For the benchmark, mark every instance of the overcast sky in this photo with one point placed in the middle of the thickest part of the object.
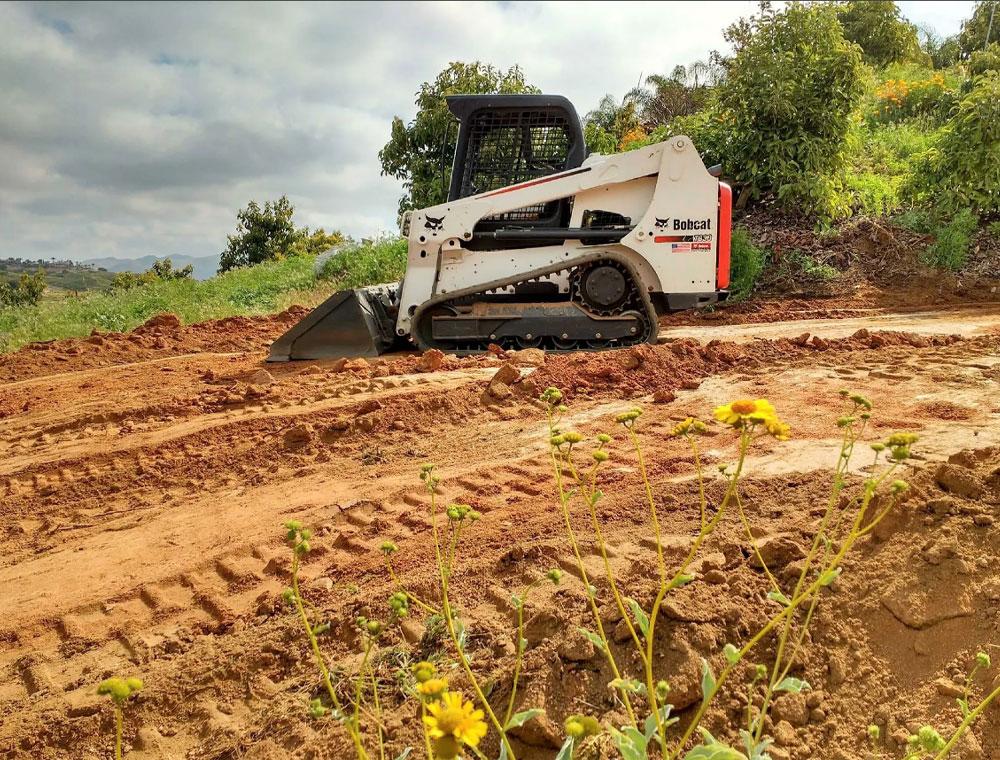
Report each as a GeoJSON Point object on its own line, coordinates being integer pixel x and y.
{"type": "Point", "coordinates": [128, 129]}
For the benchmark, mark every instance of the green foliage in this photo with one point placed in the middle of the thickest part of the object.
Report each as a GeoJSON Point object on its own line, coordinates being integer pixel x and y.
{"type": "Point", "coordinates": [983, 61]}
{"type": "Point", "coordinates": [162, 270]}
{"type": "Point", "coordinates": [315, 243]}
{"type": "Point", "coordinates": [609, 126]}
{"type": "Point", "coordinates": [746, 263]}
{"type": "Point", "coordinates": [27, 291]}
{"type": "Point", "coordinates": [262, 289]}
{"type": "Point", "coordinates": [942, 51]}
{"type": "Point", "coordinates": [785, 105]}
{"type": "Point", "coordinates": [262, 234]}
{"type": "Point", "coordinates": [420, 153]}
{"type": "Point", "coordinates": [952, 241]}
{"type": "Point", "coordinates": [962, 170]}
{"type": "Point", "coordinates": [974, 30]}
{"type": "Point", "coordinates": [360, 264]}
{"type": "Point", "coordinates": [931, 95]}
{"type": "Point", "coordinates": [877, 27]}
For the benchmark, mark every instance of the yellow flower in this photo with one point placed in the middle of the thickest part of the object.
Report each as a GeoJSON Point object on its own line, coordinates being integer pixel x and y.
{"type": "Point", "coordinates": [453, 722]}
{"type": "Point", "coordinates": [432, 687]}
{"type": "Point", "coordinates": [424, 671]}
{"type": "Point", "coordinates": [778, 429]}
{"type": "Point", "coordinates": [745, 410]}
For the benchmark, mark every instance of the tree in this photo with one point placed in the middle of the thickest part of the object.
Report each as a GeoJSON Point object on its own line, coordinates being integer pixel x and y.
{"type": "Point", "coordinates": [942, 51]}
{"type": "Point", "coordinates": [684, 92]}
{"type": "Point", "coordinates": [878, 28]}
{"type": "Point", "coordinates": [784, 108]}
{"type": "Point", "coordinates": [315, 243]}
{"type": "Point", "coordinates": [420, 153]}
{"type": "Point", "coordinates": [162, 270]}
{"type": "Point", "coordinates": [261, 234]}
{"type": "Point", "coordinates": [607, 126]}
{"type": "Point", "coordinates": [985, 22]}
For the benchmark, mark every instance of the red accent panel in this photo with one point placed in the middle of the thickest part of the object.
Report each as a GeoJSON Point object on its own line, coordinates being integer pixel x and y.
{"type": "Point", "coordinates": [534, 182]}
{"type": "Point", "coordinates": [668, 238]}
{"type": "Point", "coordinates": [725, 232]}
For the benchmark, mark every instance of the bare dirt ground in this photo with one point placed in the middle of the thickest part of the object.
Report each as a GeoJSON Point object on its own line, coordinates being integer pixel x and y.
{"type": "Point", "coordinates": [144, 479]}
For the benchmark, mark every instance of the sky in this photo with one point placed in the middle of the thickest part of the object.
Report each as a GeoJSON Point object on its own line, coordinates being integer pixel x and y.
{"type": "Point", "coordinates": [129, 129]}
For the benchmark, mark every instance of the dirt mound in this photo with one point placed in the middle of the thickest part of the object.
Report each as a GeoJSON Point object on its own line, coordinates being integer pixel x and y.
{"type": "Point", "coordinates": [161, 336]}
{"type": "Point", "coordinates": [682, 364]}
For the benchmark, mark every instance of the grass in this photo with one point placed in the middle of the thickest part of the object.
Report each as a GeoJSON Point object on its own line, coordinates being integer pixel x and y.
{"type": "Point", "coordinates": [747, 261]}
{"type": "Point", "coordinates": [262, 289]}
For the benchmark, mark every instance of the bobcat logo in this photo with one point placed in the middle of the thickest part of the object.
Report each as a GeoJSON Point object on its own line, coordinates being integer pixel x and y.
{"type": "Point", "coordinates": [434, 224]}
{"type": "Point", "coordinates": [661, 224]}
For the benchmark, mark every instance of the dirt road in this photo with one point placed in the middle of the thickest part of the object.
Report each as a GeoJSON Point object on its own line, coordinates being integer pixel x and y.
{"type": "Point", "coordinates": [144, 482]}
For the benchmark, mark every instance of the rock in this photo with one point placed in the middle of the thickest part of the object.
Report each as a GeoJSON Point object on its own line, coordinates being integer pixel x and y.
{"type": "Point", "coordinates": [862, 334]}
{"type": "Point", "coordinates": [412, 629]}
{"type": "Point", "coordinates": [690, 385]}
{"type": "Point", "coordinates": [819, 343]}
{"type": "Point", "coordinates": [506, 375]}
{"type": "Point", "coordinates": [778, 753]}
{"type": "Point", "coordinates": [784, 734]}
{"type": "Point", "coordinates": [663, 396]}
{"type": "Point", "coordinates": [776, 550]}
{"type": "Point", "coordinates": [959, 481]}
{"type": "Point", "coordinates": [575, 647]}
{"type": "Point", "coordinates": [312, 369]}
{"type": "Point", "coordinates": [631, 359]}
{"type": "Point", "coordinates": [948, 688]}
{"type": "Point", "coordinates": [148, 739]}
{"type": "Point", "coordinates": [527, 357]}
{"type": "Point", "coordinates": [261, 377]}
{"type": "Point", "coordinates": [430, 360]}
{"type": "Point", "coordinates": [792, 708]}
{"type": "Point", "coordinates": [716, 577]}
{"type": "Point", "coordinates": [802, 340]}
{"type": "Point", "coordinates": [983, 520]}
{"type": "Point", "coordinates": [165, 321]}
{"type": "Point", "coordinates": [356, 365]}
{"type": "Point", "coordinates": [968, 747]}
{"type": "Point", "coordinates": [298, 436]}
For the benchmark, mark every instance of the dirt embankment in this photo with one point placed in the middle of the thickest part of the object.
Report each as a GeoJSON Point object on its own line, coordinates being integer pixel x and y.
{"type": "Point", "coordinates": [142, 503]}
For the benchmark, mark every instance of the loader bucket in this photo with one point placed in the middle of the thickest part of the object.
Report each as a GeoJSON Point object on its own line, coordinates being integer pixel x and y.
{"type": "Point", "coordinates": [349, 323]}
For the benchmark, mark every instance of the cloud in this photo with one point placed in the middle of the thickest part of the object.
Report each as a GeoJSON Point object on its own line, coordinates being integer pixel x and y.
{"type": "Point", "coordinates": [137, 128]}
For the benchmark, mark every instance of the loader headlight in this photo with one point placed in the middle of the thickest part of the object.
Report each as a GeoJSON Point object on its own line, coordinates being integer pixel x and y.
{"type": "Point", "coordinates": [404, 223]}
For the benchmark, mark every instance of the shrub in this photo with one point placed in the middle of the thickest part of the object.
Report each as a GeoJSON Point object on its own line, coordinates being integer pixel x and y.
{"type": "Point", "coordinates": [983, 61]}
{"type": "Point", "coordinates": [746, 263]}
{"type": "Point", "coordinates": [315, 243]}
{"type": "Point", "coordinates": [962, 170]}
{"type": "Point", "coordinates": [161, 271]}
{"type": "Point", "coordinates": [785, 106]}
{"type": "Point", "coordinates": [27, 291]}
{"type": "Point", "coordinates": [952, 241]}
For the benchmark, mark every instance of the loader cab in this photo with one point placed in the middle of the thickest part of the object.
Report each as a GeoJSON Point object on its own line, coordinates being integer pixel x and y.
{"type": "Point", "coordinates": [504, 140]}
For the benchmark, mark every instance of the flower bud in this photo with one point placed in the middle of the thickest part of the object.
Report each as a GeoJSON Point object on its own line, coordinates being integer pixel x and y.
{"type": "Point", "coordinates": [600, 456]}
{"type": "Point", "coordinates": [983, 660]}
{"type": "Point", "coordinates": [389, 547]}
{"type": "Point", "coordinates": [874, 732]}
{"type": "Point", "coordinates": [898, 486]}
{"type": "Point", "coordinates": [572, 437]}
{"type": "Point", "coordinates": [554, 575]}
{"type": "Point", "coordinates": [603, 438]}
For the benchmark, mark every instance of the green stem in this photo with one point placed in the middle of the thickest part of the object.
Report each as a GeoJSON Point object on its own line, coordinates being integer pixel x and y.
{"type": "Point", "coordinates": [563, 504]}
{"type": "Point", "coordinates": [964, 725]}
{"type": "Point", "coordinates": [118, 732]}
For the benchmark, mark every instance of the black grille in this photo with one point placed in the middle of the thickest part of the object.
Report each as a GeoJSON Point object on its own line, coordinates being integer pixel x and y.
{"type": "Point", "coordinates": [506, 148]}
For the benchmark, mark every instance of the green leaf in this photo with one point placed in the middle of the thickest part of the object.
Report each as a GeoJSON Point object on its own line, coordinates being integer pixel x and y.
{"type": "Point", "coordinates": [793, 685]}
{"type": "Point", "coordinates": [520, 718]}
{"type": "Point", "coordinates": [566, 751]}
{"type": "Point", "coordinates": [681, 580]}
{"type": "Point", "coordinates": [641, 619]}
{"type": "Point", "coordinates": [404, 754]}
{"type": "Point", "coordinates": [777, 596]}
{"type": "Point", "coordinates": [503, 752]}
{"type": "Point", "coordinates": [631, 745]}
{"type": "Point", "coordinates": [829, 576]}
{"type": "Point", "coordinates": [593, 638]}
{"type": "Point", "coordinates": [713, 749]}
{"type": "Point", "coordinates": [650, 726]}
{"type": "Point", "coordinates": [732, 654]}
{"type": "Point", "coordinates": [628, 684]}
{"type": "Point", "coordinates": [707, 681]}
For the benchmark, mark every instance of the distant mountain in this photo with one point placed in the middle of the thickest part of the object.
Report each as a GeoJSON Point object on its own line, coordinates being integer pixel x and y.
{"type": "Point", "coordinates": [204, 266]}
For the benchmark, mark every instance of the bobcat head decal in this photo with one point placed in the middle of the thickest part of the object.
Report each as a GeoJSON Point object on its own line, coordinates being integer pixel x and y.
{"type": "Point", "coordinates": [661, 224]}
{"type": "Point", "coordinates": [434, 224]}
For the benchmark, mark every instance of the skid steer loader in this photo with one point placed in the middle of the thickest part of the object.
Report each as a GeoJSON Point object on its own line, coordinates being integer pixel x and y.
{"type": "Point", "coordinates": [538, 245]}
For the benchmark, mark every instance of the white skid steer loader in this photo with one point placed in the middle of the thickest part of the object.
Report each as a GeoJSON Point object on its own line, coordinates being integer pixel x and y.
{"type": "Point", "coordinates": [538, 245]}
